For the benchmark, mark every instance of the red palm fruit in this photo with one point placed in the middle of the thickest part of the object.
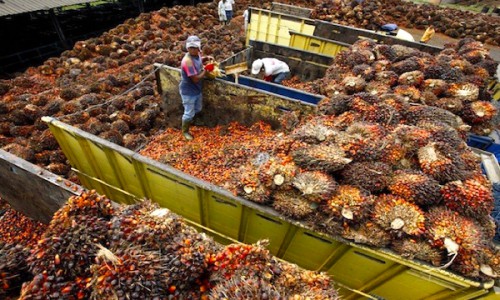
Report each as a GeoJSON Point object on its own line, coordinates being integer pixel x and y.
{"type": "Point", "coordinates": [444, 133]}
{"type": "Point", "coordinates": [471, 197]}
{"type": "Point", "coordinates": [395, 214]}
{"type": "Point", "coordinates": [441, 162]}
{"type": "Point", "coordinates": [416, 187]}
{"type": "Point", "coordinates": [452, 231]}
{"type": "Point", "coordinates": [349, 203]}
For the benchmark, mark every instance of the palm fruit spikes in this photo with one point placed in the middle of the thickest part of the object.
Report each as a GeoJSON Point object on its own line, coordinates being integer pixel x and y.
{"type": "Point", "coordinates": [371, 176]}
{"type": "Point", "coordinates": [277, 172]}
{"type": "Point", "coordinates": [326, 157]}
{"type": "Point", "coordinates": [368, 233]}
{"type": "Point", "coordinates": [471, 197]}
{"type": "Point", "coordinates": [416, 248]}
{"type": "Point", "coordinates": [349, 203]}
{"type": "Point", "coordinates": [313, 133]}
{"type": "Point", "coordinates": [395, 214]}
{"type": "Point", "coordinates": [415, 187]}
{"type": "Point", "coordinates": [292, 204]}
{"type": "Point", "coordinates": [452, 231]}
{"type": "Point", "coordinates": [465, 91]}
{"type": "Point", "coordinates": [315, 186]}
{"type": "Point", "coordinates": [441, 162]}
{"type": "Point", "coordinates": [478, 112]}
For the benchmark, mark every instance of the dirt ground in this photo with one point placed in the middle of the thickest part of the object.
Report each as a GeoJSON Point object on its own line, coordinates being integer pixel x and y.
{"type": "Point", "coordinates": [440, 39]}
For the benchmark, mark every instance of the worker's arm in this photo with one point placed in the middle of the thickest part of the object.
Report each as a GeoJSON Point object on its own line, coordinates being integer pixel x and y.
{"type": "Point", "coordinates": [199, 76]}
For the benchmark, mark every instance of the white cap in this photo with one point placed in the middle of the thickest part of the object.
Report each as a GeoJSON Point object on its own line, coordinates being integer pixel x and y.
{"type": "Point", "coordinates": [256, 66]}
{"type": "Point", "coordinates": [193, 42]}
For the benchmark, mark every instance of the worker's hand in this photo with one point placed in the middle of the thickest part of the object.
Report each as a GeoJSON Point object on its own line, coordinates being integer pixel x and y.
{"type": "Point", "coordinates": [268, 78]}
{"type": "Point", "coordinates": [209, 67]}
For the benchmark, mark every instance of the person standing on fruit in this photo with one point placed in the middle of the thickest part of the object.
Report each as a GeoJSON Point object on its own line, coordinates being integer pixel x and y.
{"type": "Point", "coordinates": [221, 10]}
{"type": "Point", "coordinates": [190, 87]}
{"type": "Point", "coordinates": [229, 10]}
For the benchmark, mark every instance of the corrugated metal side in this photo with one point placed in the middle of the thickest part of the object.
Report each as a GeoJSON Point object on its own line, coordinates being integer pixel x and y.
{"type": "Point", "coordinates": [13, 7]}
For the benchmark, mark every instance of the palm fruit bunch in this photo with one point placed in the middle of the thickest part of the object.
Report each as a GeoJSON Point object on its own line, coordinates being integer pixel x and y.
{"type": "Point", "coordinates": [244, 287]}
{"type": "Point", "coordinates": [68, 248]}
{"type": "Point", "coordinates": [460, 236]}
{"type": "Point", "coordinates": [362, 141]}
{"type": "Point", "coordinates": [13, 268]}
{"type": "Point", "coordinates": [418, 248]}
{"type": "Point", "coordinates": [180, 249]}
{"type": "Point", "coordinates": [349, 203]}
{"type": "Point", "coordinates": [17, 229]}
{"type": "Point", "coordinates": [314, 132]}
{"type": "Point", "coordinates": [291, 203]}
{"type": "Point", "coordinates": [441, 162]}
{"type": "Point", "coordinates": [472, 197]}
{"type": "Point", "coordinates": [315, 186]}
{"type": "Point", "coordinates": [368, 233]}
{"type": "Point", "coordinates": [397, 215]}
{"type": "Point", "coordinates": [303, 284]}
{"type": "Point", "coordinates": [441, 132]}
{"type": "Point", "coordinates": [371, 176]}
{"type": "Point", "coordinates": [129, 273]}
{"type": "Point", "coordinates": [277, 172]}
{"type": "Point", "coordinates": [415, 187]}
{"type": "Point", "coordinates": [250, 272]}
{"type": "Point", "coordinates": [249, 185]}
{"type": "Point", "coordinates": [335, 104]}
{"type": "Point", "coordinates": [478, 112]}
{"type": "Point", "coordinates": [326, 157]}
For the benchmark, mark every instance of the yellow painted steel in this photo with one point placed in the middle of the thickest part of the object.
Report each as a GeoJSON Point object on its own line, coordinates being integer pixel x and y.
{"type": "Point", "coordinates": [273, 27]}
{"type": "Point", "coordinates": [494, 87]}
{"type": "Point", "coordinates": [315, 44]}
{"type": "Point", "coordinates": [127, 176]}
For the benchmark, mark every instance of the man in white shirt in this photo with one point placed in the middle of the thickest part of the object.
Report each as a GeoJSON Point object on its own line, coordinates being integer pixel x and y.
{"type": "Point", "coordinates": [229, 9]}
{"type": "Point", "coordinates": [275, 70]}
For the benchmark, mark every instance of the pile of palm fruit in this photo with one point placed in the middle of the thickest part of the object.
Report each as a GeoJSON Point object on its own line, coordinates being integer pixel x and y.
{"type": "Point", "coordinates": [393, 123]}
{"type": "Point", "coordinates": [373, 14]}
{"type": "Point", "coordinates": [383, 162]}
{"type": "Point", "coordinates": [96, 249]}
{"type": "Point", "coordinates": [104, 85]}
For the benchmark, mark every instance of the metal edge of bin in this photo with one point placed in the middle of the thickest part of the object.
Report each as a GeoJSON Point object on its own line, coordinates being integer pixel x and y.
{"type": "Point", "coordinates": [39, 201]}
{"type": "Point", "coordinates": [490, 164]}
{"type": "Point", "coordinates": [293, 32]}
{"type": "Point", "coordinates": [421, 266]}
{"type": "Point", "coordinates": [276, 87]}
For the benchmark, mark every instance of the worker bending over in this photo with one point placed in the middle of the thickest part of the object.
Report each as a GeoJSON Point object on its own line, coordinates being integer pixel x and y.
{"type": "Point", "coordinates": [275, 70]}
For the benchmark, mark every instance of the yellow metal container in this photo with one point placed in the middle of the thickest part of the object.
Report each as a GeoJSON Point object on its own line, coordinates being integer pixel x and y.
{"type": "Point", "coordinates": [316, 44]}
{"type": "Point", "coordinates": [360, 270]}
{"type": "Point", "coordinates": [273, 27]}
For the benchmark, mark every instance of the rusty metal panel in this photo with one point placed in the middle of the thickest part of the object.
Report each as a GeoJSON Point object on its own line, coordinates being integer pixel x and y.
{"type": "Point", "coordinates": [30, 189]}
